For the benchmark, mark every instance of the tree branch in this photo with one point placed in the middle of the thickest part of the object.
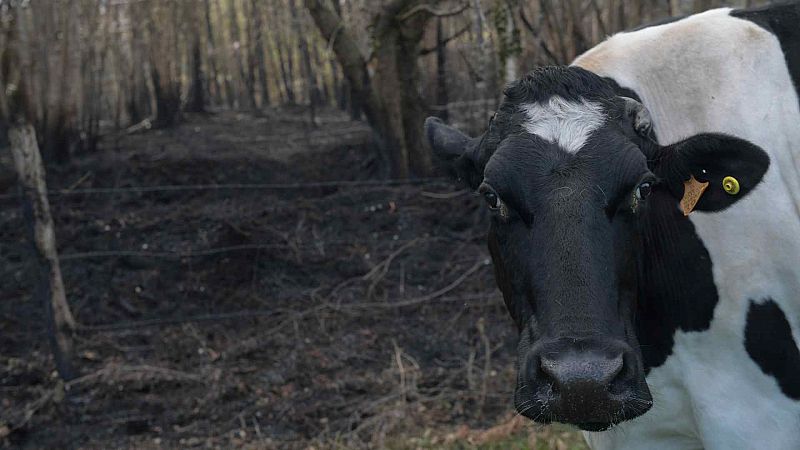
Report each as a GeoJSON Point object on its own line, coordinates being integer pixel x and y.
{"type": "Point", "coordinates": [458, 33]}
{"type": "Point", "coordinates": [343, 43]}
{"type": "Point", "coordinates": [529, 26]}
{"type": "Point", "coordinates": [429, 9]}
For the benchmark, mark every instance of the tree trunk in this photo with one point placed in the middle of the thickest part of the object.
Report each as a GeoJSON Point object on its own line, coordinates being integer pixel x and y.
{"type": "Point", "coordinates": [259, 53]}
{"type": "Point", "coordinates": [391, 98]}
{"type": "Point", "coordinates": [286, 70]}
{"type": "Point", "coordinates": [312, 90]}
{"type": "Point", "coordinates": [36, 209]}
{"type": "Point", "coordinates": [196, 91]}
{"type": "Point", "coordinates": [441, 72]}
{"type": "Point", "coordinates": [251, 56]}
{"type": "Point", "coordinates": [212, 56]}
{"type": "Point", "coordinates": [323, 89]}
{"type": "Point", "coordinates": [245, 96]}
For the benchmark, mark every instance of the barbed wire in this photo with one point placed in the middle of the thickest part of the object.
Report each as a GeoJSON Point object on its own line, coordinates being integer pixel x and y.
{"type": "Point", "coordinates": [174, 255]}
{"type": "Point", "coordinates": [238, 186]}
{"type": "Point", "coordinates": [148, 323]}
{"type": "Point", "coordinates": [319, 245]}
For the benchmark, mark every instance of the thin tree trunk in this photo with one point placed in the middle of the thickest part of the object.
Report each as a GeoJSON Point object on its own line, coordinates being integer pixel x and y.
{"type": "Point", "coordinates": [323, 90]}
{"type": "Point", "coordinates": [251, 56]}
{"type": "Point", "coordinates": [347, 97]}
{"type": "Point", "coordinates": [286, 74]}
{"type": "Point", "coordinates": [441, 71]}
{"type": "Point", "coordinates": [36, 208]}
{"type": "Point", "coordinates": [259, 53]}
{"type": "Point", "coordinates": [236, 40]}
{"type": "Point", "coordinates": [196, 90]}
{"type": "Point", "coordinates": [312, 90]}
{"type": "Point", "coordinates": [212, 56]}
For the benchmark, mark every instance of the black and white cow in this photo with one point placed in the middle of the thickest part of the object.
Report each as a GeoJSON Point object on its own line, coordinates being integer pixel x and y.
{"type": "Point", "coordinates": [645, 326]}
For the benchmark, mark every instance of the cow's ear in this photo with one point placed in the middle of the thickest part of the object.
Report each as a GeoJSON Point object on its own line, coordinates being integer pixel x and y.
{"type": "Point", "coordinates": [732, 167]}
{"type": "Point", "coordinates": [455, 151]}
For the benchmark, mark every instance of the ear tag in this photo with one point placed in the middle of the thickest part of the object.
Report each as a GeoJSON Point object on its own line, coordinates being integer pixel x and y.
{"type": "Point", "coordinates": [692, 190]}
{"type": "Point", "coordinates": [730, 185]}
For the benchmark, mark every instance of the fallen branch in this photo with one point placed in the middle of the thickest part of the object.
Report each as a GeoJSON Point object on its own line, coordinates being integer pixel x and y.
{"type": "Point", "coordinates": [146, 124]}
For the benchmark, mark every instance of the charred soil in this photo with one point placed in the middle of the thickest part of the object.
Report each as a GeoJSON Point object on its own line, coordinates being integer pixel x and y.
{"type": "Point", "coordinates": [256, 316]}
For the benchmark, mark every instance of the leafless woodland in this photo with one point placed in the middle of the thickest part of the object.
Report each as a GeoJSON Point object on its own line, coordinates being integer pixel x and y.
{"type": "Point", "coordinates": [253, 246]}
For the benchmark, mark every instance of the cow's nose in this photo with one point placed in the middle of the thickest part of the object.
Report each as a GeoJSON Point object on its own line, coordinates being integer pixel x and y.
{"type": "Point", "coordinates": [580, 376]}
{"type": "Point", "coordinates": [582, 381]}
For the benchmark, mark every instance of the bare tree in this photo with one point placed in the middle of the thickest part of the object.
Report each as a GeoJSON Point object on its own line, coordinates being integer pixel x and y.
{"type": "Point", "coordinates": [391, 96]}
{"type": "Point", "coordinates": [309, 76]}
{"type": "Point", "coordinates": [17, 110]}
{"type": "Point", "coordinates": [258, 51]}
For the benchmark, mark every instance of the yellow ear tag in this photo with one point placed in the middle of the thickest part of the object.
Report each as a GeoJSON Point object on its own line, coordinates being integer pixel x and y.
{"type": "Point", "coordinates": [692, 190]}
{"type": "Point", "coordinates": [731, 185]}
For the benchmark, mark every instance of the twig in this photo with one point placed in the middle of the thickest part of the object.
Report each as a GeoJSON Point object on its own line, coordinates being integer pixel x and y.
{"type": "Point", "coordinates": [487, 362]}
{"type": "Point", "coordinates": [107, 374]}
{"type": "Point", "coordinates": [398, 359]}
{"type": "Point", "coordinates": [379, 271]}
{"type": "Point", "coordinates": [425, 298]}
{"type": "Point", "coordinates": [80, 181]}
{"type": "Point", "coordinates": [429, 9]}
{"type": "Point", "coordinates": [536, 35]}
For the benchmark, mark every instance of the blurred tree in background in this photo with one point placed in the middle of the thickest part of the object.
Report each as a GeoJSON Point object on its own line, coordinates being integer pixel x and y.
{"type": "Point", "coordinates": [90, 66]}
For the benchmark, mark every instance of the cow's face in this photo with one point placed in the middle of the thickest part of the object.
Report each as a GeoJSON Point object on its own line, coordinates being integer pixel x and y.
{"type": "Point", "coordinates": [568, 169]}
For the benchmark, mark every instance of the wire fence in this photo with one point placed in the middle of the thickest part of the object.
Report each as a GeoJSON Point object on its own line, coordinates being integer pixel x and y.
{"type": "Point", "coordinates": [237, 186]}
{"type": "Point", "coordinates": [194, 253]}
{"type": "Point", "coordinates": [320, 246]}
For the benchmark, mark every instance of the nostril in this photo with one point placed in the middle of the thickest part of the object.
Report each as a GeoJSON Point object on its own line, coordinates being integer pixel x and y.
{"type": "Point", "coordinates": [549, 367]}
{"type": "Point", "coordinates": [613, 369]}
{"type": "Point", "coordinates": [621, 381]}
{"type": "Point", "coordinates": [563, 370]}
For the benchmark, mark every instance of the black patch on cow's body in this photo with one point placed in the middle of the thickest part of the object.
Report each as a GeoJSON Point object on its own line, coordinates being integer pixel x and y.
{"type": "Point", "coordinates": [782, 20]}
{"type": "Point", "coordinates": [678, 290]}
{"type": "Point", "coordinates": [768, 340]}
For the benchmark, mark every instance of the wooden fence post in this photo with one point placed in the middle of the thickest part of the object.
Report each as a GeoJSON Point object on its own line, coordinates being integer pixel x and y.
{"type": "Point", "coordinates": [36, 211]}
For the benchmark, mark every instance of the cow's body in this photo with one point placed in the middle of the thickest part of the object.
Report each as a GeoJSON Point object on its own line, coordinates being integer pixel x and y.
{"type": "Point", "coordinates": [735, 383]}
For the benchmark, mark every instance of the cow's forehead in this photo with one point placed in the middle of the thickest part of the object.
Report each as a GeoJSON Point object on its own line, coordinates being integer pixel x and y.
{"type": "Point", "coordinates": [560, 105]}
{"type": "Point", "coordinates": [560, 120]}
{"type": "Point", "coordinates": [567, 123]}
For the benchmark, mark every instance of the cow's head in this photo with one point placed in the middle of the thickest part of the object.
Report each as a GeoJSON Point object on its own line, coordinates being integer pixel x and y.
{"type": "Point", "coordinates": [572, 175]}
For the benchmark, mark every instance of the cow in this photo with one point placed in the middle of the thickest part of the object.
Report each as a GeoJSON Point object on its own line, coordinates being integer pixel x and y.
{"type": "Point", "coordinates": [645, 232]}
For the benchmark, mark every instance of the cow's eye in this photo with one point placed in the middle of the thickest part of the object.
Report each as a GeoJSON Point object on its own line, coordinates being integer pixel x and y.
{"type": "Point", "coordinates": [643, 190]}
{"type": "Point", "coordinates": [492, 200]}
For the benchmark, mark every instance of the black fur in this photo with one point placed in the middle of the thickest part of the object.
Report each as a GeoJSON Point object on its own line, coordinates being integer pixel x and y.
{"type": "Point", "coordinates": [768, 340]}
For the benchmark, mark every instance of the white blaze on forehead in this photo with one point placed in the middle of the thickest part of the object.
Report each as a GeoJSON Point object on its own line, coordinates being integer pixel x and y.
{"type": "Point", "coordinates": [566, 123]}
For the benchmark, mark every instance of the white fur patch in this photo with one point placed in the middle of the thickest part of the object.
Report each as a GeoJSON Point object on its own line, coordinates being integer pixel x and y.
{"type": "Point", "coordinates": [566, 123]}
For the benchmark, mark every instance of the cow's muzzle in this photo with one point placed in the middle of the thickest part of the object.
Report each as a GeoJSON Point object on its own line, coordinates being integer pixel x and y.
{"type": "Point", "coordinates": [593, 383]}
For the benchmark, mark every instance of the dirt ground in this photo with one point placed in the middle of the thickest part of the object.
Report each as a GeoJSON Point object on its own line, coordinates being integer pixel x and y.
{"type": "Point", "coordinates": [273, 317]}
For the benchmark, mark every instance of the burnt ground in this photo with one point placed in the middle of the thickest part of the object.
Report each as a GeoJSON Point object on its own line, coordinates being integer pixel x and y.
{"type": "Point", "coordinates": [302, 317]}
